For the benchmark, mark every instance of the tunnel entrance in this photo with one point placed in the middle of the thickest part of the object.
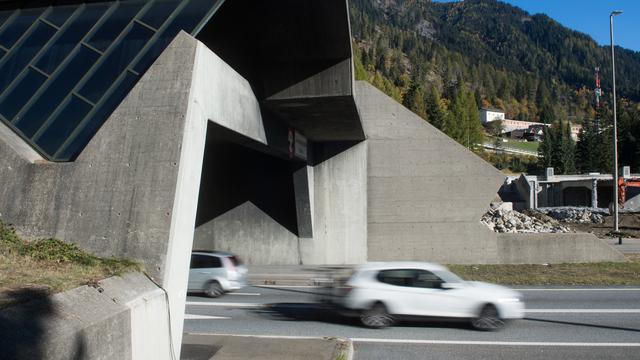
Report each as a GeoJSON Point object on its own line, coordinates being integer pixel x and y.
{"type": "Point", "coordinates": [247, 197]}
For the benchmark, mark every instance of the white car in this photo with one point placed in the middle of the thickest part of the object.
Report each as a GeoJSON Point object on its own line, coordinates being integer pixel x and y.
{"type": "Point", "coordinates": [380, 293]}
{"type": "Point", "coordinates": [216, 272]}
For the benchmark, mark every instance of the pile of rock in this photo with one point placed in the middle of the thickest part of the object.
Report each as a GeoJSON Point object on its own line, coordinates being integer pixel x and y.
{"type": "Point", "coordinates": [579, 215]}
{"type": "Point", "coordinates": [506, 221]}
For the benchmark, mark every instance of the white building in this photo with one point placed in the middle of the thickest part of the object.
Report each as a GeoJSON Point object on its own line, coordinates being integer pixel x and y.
{"type": "Point", "coordinates": [487, 115]}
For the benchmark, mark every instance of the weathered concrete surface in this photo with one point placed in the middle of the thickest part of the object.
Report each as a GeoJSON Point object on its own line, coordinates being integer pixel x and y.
{"type": "Point", "coordinates": [117, 198]}
{"type": "Point", "coordinates": [19, 146]}
{"type": "Point", "coordinates": [340, 210]}
{"type": "Point", "coordinates": [133, 192]}
{"type": "Point", "coordinates": [253, 347]}
{"type": "Point", "coordinates": [252, 234]}
{"type": "Point", "coordinates": [337, 201]}
{"type": "Point", "coordinates": [426, 193]}
{"type": "Point", "coordinates": [102, 322]}
{"type": "Point", "coordinates": [554, 248]}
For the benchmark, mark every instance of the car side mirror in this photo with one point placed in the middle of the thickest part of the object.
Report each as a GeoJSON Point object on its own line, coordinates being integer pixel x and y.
{"type": "Point", "coordinates": [448, 286]}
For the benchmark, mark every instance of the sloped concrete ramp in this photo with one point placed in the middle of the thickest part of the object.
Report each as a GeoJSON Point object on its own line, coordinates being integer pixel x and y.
{"type": "Point", "coordinates": [426, 194]}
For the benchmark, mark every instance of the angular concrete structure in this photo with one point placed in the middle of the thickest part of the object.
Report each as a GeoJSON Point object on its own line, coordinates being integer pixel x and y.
{"type": "Point", "coordinates": [242, 136]}
{"type": "Point", "coordinates": [426, 192]}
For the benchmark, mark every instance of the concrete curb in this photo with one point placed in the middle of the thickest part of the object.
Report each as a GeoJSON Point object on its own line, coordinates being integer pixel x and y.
{"type": "Point", "coordinates": [122, 317]}
{"type": "Point", "coordinates": [344, 349]}
{"type": "Point", "coordinates": [267, 347]}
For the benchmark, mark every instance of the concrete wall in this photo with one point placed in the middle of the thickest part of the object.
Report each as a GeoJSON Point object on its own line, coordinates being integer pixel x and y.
{"type": "Point", "coordinates": [117, 198]}
{"type": "Point", "coordinates": [340, 210]}
{"type": "Point", "coordinates": [426, 193]}
{"type": "Point", "coordinates": [333, 193]}
{"type": "Point", "coordinates": [133, 192]}
{"type": "Point", "coordinates": [249, 232]}
{"type": "Point", "coordinates": [120, 318]}
{"type": "Point", "coordinates": [554, 248]}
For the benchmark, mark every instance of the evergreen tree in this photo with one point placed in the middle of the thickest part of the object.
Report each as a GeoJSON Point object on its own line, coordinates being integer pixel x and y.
{"type": "Point", "coordinates": [414, 100]}
{"type": "Point", "coordinates": [546, 148]}
{"type": "Point", "coordinates": [475, 133]}
{"type": "Point", "coordinates": [436, 114]}
{"type": "Point", "coordinates": [567, 151]}
{"type": "Point", "coordinates": [585, 159]}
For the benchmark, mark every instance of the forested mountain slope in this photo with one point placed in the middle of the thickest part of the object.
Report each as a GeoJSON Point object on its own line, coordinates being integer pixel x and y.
{"type": "Point", "coordinates": [421, 52]}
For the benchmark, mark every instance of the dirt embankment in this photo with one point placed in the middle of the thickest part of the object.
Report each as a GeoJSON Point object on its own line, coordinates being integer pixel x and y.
{"type": "Point", "coordinates": [628, 224]}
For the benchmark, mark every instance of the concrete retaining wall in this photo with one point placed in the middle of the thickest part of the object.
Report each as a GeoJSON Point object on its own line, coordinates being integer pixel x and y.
{"type": "Point", "coordinates": [554, 248]}
{"type": "Point", "coordinates": [426, 193]}
{"type": "Point", "coordinates": [120, 318]}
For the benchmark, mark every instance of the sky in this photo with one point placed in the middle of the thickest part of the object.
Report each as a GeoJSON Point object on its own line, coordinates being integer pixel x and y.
{"type": "Point", "coordinates": [591, 17]}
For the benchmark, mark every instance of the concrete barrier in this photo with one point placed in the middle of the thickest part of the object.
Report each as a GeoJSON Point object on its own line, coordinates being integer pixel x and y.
{"type": "Point", "coordinates": [554, 248]}
{"type": "Point", "coordinates": [118, 318]}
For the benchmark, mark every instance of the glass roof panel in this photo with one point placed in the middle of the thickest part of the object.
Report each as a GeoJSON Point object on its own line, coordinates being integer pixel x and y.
{"type": "Point", "coordinates": [65, 68]}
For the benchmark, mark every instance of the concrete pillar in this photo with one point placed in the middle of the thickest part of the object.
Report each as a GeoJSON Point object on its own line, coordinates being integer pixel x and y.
{"type": "Point", "coordinates": [303, 187]}
{"type": "Point", "coordinates": [594, 193]}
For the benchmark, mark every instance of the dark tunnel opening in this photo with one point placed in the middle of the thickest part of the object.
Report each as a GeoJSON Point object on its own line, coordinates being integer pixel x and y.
{"type": "Point", "coordinates": [236, 170]}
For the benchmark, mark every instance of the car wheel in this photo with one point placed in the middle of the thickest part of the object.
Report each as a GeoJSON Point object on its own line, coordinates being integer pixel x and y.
{"type": "Point", "coordinates": [213, 289]}
{"type": "Point", "coordinates": [377, 317]}
{"type": "Point", "coordinates": [488, 319]}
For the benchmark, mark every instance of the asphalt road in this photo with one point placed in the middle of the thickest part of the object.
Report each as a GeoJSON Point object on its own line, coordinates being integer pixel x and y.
{"type": "Point", "coordinates": [566, 323]}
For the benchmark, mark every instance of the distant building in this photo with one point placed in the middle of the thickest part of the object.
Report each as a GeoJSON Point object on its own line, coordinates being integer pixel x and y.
{"type": "Point", "coordinates": [509, 125]}
{"type": "Point", "coordinates": [575, 130]}
{"type": "Point", "coordinates": [488, 115]}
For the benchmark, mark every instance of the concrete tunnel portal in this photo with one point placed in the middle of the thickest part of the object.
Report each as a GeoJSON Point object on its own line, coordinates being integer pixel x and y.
{"type": "Point", "coordinates": [233, 173]}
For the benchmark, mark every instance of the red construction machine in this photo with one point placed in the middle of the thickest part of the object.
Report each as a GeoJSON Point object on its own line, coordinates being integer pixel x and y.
{"type": "Point", "coordinates": [623, 184]}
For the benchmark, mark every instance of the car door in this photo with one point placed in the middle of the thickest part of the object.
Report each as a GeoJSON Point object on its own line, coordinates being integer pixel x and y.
{"type": "Point", "coordinates": [196, 274]}
{"type": "Point", "coordinates": [431, 299]}
{"type": "Point", "coordinates": [395, 290]}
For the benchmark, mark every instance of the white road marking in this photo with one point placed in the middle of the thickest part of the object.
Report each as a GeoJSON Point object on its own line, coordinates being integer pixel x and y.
{"type": "Point", "coordinates": [584, 311]}
{"type": "Point", "coordinates": [204, 317]}
{"type": "Point", "coordinates": [517, 289]}
{"type": "Point", "coordinates": [225, 304]}
{"type": "Point", "coordinates": [288, 286]}
{"type": "Point", "coordinates": [242, 294]}
{"type": "Point", "coordinates": [498, 343]}
{"type": "Point", "coordinates": [443, 342]}
{"type": "Point", "coordinates": [580, 289]}
{"type": "Point", "coordinates": [263, 336]}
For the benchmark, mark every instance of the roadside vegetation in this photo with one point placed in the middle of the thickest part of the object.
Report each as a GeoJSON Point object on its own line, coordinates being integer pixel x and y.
{"type": "Point", "coordinates": [531, 146]}
{"type": "Point", "coordinates": [601, 273]}
{"type": "Point", "coordinates": [50, 265]}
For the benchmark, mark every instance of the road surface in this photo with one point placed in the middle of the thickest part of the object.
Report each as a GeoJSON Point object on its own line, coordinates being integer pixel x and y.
{"type": "Point", "coordinates": [567, 323]}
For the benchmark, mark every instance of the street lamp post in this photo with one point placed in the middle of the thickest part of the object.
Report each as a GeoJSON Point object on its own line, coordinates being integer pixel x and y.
{"type": "Point", "coordinates": [615, 126]}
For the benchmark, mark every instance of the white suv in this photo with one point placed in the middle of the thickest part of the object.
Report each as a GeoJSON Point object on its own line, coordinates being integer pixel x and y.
{"type": "Point", "coordinates": [380, 293]}
{"type": "Point", "coordinates": [216, 272]}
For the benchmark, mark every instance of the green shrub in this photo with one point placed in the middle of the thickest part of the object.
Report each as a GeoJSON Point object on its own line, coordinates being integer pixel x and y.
{"type": "Point", "coordinates": [54, 250]}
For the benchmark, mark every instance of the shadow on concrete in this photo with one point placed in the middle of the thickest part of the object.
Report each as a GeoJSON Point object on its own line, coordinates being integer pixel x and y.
{"type": "Point", "coordinates": [25, 326]}
{"type": "Point", "coordinates": [236, 170]}
{"type": "Point", "coordinates": [583, 324]}
{"type": "Point", "coordinates": [198, 351]}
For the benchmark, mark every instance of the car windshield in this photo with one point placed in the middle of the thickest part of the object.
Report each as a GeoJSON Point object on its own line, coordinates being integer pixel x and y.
{"type": "Point", "coordinates": [448, 277]}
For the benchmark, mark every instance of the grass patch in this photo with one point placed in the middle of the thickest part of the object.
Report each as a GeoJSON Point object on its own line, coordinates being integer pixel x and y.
{"type": "Point", "coordinates": [600, 273]}
{"type": "Point", "coordinates": [52, 264]}
{"type": "Point", "coordinates": [522, 145]}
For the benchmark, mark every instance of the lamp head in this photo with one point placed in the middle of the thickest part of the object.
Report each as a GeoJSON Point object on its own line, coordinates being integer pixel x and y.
{"type": "Point", "coordinates": [616, 12]}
